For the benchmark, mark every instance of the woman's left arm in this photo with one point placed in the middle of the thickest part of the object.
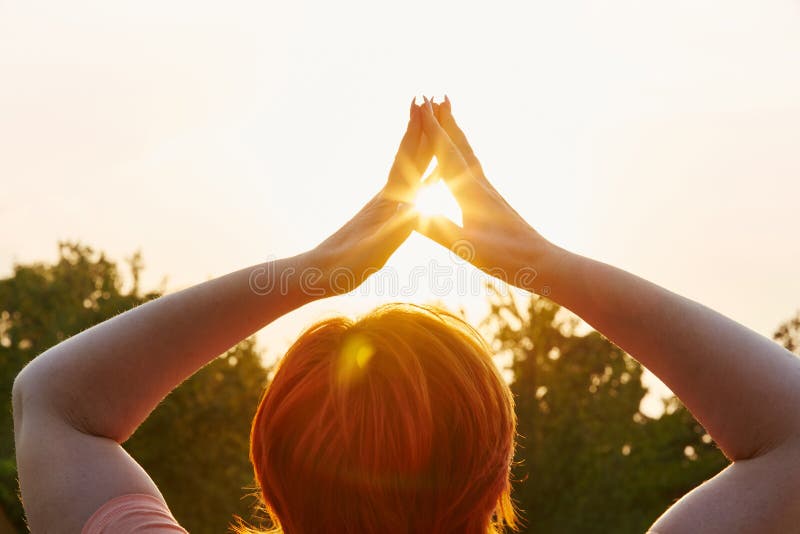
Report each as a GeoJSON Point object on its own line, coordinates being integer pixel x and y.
{"type": "Point", "coordinates": [76, 403]}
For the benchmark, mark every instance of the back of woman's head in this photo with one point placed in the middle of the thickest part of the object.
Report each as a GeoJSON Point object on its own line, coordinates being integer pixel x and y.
{"type": "Point", "coordinates": [398, 422]}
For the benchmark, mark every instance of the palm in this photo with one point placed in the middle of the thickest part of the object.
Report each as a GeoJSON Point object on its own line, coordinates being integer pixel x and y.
{"type": "Point", "coordinates": [492, 231]}
{"type": "Point", "coordinates": [363, 245]}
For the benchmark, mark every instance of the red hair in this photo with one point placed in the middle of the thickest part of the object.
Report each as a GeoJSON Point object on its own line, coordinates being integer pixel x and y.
{"type": "Point", "coordinates": [398, 422]}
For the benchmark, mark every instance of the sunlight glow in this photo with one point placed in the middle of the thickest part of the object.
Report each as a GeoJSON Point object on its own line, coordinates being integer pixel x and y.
{"type": "Point", "coordinates": [436, 199]}
{"type": "Point", "coordinates": [355, 355]}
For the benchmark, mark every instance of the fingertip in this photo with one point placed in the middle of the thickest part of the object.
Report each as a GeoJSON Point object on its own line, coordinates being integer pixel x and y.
{"type": "Point", "coordinates": [426, 109]}
{"type": "Point", "coordinates": [414, 114]}
{"type": "Point", "coordinates": [446, 106]}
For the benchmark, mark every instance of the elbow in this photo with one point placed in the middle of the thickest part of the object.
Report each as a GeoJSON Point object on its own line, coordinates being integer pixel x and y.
{"type": "Point", "coordinates": [35, 393]}
{"type": "Point", "coordinates": [26, 388]}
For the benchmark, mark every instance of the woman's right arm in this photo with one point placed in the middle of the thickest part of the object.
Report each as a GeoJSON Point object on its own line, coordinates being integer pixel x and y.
{"type": "Point", "coordinates": [743, 388]}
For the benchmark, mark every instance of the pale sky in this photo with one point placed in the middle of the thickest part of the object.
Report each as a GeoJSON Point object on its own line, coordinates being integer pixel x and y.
{"type": "Point", "coordinates": [661, 137]}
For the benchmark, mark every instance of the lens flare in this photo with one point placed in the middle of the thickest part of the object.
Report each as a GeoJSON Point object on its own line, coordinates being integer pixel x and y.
{"type": "Point", "coordinates": [356, 353]}
{"type": "Point", "coordinates": [436, 199]}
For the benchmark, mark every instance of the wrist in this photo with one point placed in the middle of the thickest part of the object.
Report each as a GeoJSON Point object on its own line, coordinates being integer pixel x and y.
{"type": "Point", "coordinates": [312, 275]}
{"type": "Point", "coordinates": [547, 261]}
{"type": "Point", "coordinates": [293, 281]}
{"type": "Point", "coordinates": [322, 272]}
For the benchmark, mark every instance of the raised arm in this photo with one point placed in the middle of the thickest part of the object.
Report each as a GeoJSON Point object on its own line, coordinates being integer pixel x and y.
{"type": "Point", "coordinates": [76, 403]}
{"type": "Point", "coordinates": [742, 387]}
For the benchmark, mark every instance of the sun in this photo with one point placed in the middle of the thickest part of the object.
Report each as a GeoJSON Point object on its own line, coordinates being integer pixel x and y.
{"type": "Point", "coordinates": [436, 199]}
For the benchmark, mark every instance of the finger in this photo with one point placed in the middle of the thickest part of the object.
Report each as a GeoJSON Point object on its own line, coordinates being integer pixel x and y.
{"type": "Point", "coordinates": [440, 229]}
{"type": "Point", "coordinates": [424, 154]}
{"type": "Point", "coordinates": [405, 175]}
{"type": "Point", "coordinates": [413, 129]}
{"type": "Point", "coordinates": [395, 230]}
{"type": "Point", "coordinates": [453, 166]}
{"type": "Point", "coordinates": [450, 126]}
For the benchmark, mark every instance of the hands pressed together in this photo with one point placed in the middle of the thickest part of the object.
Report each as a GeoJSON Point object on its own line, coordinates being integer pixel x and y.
{"type": "Point", "coordinates": [498, 240]}
{"type": "Point", "coordinates": [711, 362]}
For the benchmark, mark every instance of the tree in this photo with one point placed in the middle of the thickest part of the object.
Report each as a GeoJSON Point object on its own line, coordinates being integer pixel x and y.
{"type": "Point", "coordinates": [195, 444]}
{"type": "Point", "coordinates": [588, 460]}
{"type": "Point", "coordinates": [41, 305]}
{"type": "Point", "coordinates": [788, 334]}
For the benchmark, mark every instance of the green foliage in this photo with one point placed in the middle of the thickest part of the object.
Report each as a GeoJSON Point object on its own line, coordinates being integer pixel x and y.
{"type": "Point", "coordinates": [788, 334]}
{"type": "Point", "coordinates": [588, 460]}
{"type": "Point", "coordinates": [195, 444]}
{"type": "Point", "coordinates": [41, 305]}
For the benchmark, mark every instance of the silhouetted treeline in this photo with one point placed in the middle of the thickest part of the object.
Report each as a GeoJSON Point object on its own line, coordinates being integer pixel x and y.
{"type": "Point", "coordinates": [588, 460]}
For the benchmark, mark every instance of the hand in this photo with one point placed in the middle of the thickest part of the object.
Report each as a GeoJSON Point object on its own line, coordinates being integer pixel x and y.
{"type": "Point", "coordinates": [363, 245]}
{"type": "Point", "coordinates": [494, 237]}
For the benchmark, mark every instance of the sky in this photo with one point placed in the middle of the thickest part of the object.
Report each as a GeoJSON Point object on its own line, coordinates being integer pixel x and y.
{"type": "Point", "coordinates": [661, 137]}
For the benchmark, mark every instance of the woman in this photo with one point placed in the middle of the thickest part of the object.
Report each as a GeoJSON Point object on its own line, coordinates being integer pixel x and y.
{"type": "Point", "coordinates": [397, 422]}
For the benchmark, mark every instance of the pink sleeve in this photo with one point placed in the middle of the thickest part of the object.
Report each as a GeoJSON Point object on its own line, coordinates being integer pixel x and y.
{"type": "Point", "coordinates": [136, 512]}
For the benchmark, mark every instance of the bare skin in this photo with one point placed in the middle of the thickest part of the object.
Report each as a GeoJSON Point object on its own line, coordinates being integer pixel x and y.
{"type": "Point", "coordinates": [742, 387]}
{"type": "Point", "coordinates": [75, 404]}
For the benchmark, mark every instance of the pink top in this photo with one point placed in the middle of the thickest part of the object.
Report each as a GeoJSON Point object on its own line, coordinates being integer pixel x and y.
{"type": "Point", "coordinates": [133, 513]}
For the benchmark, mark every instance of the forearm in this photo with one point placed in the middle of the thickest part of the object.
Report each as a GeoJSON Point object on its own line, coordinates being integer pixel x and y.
{"type": "Point", "coordinates": [741, 386]}
{"type": "Point", "coordinates": [106, 380]}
